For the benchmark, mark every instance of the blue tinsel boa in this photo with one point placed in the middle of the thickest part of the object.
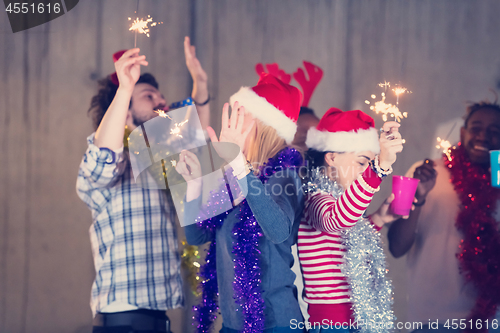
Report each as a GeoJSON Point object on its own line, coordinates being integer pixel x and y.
{"type": "Point", "coordinates": [246, 285]}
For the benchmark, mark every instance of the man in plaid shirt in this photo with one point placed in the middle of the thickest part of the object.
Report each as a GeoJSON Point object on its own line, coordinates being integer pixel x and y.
{"type": "Point", "coordinates": [133, 235]}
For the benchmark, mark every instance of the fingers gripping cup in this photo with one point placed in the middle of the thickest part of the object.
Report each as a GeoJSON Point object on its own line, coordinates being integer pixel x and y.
{"type": "Point", "coordinates": [495, 167]}
{"type": "Point", "coordinates": [404, 189]}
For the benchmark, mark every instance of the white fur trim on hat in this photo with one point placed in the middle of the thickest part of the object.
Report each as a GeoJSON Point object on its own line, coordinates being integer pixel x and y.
{"type": "Point", "coordinates": [361, 140]}
{"type": "Point", "coordinates": [265, 112]}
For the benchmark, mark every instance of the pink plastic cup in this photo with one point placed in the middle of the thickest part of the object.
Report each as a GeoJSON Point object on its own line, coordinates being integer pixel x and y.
{"type": "Point", "coordinates": [404, 189]}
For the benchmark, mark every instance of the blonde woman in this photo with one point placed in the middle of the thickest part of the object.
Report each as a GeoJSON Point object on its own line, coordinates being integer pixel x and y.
{"type": "Point", "coordinates": [252, 241]}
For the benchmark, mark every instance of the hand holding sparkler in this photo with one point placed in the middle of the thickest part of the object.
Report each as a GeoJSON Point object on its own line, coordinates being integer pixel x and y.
{"type": "Point", "coordinates": [390, 144]}
{"type": "Point", "coordinates": [128, 68]}
{"type": "Point", "coordinates": [189, 168]}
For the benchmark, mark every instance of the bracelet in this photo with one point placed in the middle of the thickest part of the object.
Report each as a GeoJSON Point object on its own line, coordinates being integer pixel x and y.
{"type": "Point", "coordinates": [378, 170]}
{"type": "Point", "coordinates": [419, 204]}
{"type": "Point", "coordinates": [204, 103]}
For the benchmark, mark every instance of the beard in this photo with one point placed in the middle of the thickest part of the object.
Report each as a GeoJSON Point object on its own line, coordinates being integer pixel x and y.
{"type": "Point", "coordinates": [138, 121]}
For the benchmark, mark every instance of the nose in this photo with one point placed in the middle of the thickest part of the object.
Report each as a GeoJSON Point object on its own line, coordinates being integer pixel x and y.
{"type": "Point", "coordinates": [482, 135]}
{"type": "Point", "coordinates": [161, 103]}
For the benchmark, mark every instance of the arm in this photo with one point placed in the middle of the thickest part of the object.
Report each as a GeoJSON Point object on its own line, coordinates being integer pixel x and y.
{"type": "Point", "coordinates": [383, 215]}
{"type": "Point", "coordinates": [195, 234]}
{"type": "Point", "coordinates": [200, 83]}
{"type": "Point", "coordinates": [402, 232]}
{"type": "Point", "coordinates": [99, 169]}
{"type": "Point", "coordinates": [110, 132]}
{"type": "Point", "coordinates": [190, 169]}
{"type": "Point", "coordinates": [326, 214]}
{"type": "Point", "coordinates": [275, 204]}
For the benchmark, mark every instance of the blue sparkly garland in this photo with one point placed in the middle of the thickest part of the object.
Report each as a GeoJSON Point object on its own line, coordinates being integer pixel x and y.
{"type": "Point", "coordinates": [247, 233]}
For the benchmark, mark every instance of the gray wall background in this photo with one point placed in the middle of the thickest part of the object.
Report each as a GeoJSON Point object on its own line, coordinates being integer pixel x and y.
{"type": "Point", "coordinates": [446, 52]}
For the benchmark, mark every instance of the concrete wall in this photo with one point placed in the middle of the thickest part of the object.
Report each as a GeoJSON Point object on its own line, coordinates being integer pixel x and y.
{"type": "Point", "coordinates": [445, 51]}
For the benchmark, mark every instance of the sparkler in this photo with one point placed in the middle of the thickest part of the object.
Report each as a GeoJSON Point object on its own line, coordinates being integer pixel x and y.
{"type": "Point", "coordinates": [386, 108]}
{"type": "Point", "coordinates": [398, 91]}
{"type": "Point", "coordinates": [445, 145]}
{"type": "Point", "coordinates": [177, 126]}
{"type": "Point", "coordinates": [384, 85]}
{"type": "Point", "coordinates": [163, 114]}
{"type": "Point", "coordinates": [141, 26]}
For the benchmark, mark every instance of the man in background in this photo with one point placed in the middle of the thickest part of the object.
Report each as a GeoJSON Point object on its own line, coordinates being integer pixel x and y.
{"type": "Point", "coordinates": [452, 238]}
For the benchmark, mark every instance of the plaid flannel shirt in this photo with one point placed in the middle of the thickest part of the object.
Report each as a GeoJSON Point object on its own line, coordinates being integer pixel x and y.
{"type": "Point", "coordinates": [133, 236]}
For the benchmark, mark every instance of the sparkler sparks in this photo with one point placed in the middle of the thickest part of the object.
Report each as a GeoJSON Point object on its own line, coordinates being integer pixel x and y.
{"type": "Point", "coordinates": [177, 128]}
{"type": "Point", "coordinates": [387, 109]}
{"type": "Point", "coordinates": [163, 114]}
{"type": "Point", "coordinates": [398, 91]}
{"type": "Point", "coordinates": [445, 145]}
{"type": "Point", "coordinates": [384, 85]}
{"type": "Point", "coordinates": [174, 163]}
{"type": "Point", "coordinates": [141, 25]}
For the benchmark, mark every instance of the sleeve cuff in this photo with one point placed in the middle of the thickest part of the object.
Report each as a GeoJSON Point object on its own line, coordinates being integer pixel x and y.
{"type": "Point", "coordinates": [370, 180]}
{"type": "Point", "coordinates": [376, 227]}
{"type": "Point", "coordinates": [191, 211]}
{"type": "Point", "coordinates": [104, 155]}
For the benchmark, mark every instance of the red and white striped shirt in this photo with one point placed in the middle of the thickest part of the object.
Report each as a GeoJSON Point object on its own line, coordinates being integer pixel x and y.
{"type": "Point", "coordinates": [320, 247]}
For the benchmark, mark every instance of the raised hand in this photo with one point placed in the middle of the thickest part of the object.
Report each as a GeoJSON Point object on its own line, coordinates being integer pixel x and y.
{"type": "Point", "coordinates": [192, 63]}
{"type": "Point", "coordinates": [390, 144]}
{"type": "Point", "coordinates": [232, 131]}
{"type": "Point", "coordinates": [427, 175]}
{"type": "Point", "coordinates": [128, 68]}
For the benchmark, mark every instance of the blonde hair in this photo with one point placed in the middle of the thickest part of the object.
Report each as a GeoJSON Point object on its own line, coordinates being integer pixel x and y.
{"type": "Point", "coordinates": [264, 144]}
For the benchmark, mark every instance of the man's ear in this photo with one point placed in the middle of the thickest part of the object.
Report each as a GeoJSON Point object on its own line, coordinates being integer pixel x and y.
{"type": "Point", "coordinates": [330, 158]}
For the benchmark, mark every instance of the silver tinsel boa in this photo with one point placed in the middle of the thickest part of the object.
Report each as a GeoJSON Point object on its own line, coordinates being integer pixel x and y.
{"type": "Point", "coordinates": [364, 265]}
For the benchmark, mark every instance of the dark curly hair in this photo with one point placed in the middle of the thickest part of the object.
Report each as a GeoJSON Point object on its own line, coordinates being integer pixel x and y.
{"type": "Point", "coordinates": [475, 106]}
{"type": "Point", "coordinates": [105, 94]}
{"type": "Point", "coordinates": [315, 158]}
{"type": "Point", "coordinates": [306, 110]}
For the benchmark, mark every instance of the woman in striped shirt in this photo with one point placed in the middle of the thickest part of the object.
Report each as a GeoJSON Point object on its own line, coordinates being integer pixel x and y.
{"type": "Point", "coordinates": [349, 161]}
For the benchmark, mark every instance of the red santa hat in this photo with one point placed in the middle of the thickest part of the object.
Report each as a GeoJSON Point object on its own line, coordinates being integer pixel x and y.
{"type": "Point", "coordinates": [339, 131]}
{"type": "Point", "coordinates": [273, 102]}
